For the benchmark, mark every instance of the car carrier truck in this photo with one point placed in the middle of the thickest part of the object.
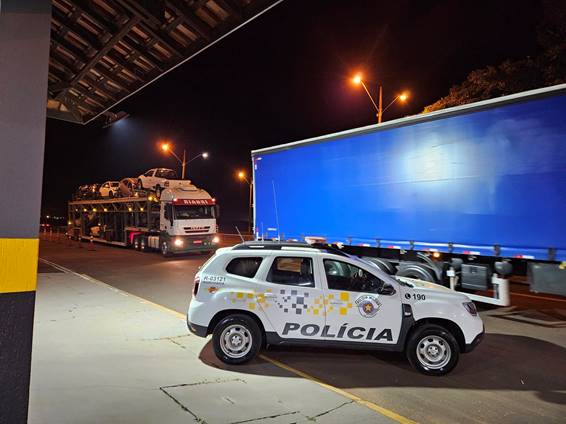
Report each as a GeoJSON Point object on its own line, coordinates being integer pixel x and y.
{"type": "Point", "coordinates": [462, 197]}
{"type": "Point", "coordinates": [181, 220]}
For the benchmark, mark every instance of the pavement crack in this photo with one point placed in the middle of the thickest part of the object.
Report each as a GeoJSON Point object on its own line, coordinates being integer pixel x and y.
{"type": "Point", "coordinates": [177, 343]}
{"type": "Point", "coordinates": [199, 383]}
{"type": "Point", "coordinates": [183, 407]}
{"type": "Point", "coordinates": [265, 418]}
{"type": "Point", "coordinates": [313, 418]}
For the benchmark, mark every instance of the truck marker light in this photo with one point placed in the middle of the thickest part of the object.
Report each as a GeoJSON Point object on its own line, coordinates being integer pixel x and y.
{"type": "Point", "coordinates": [216, 239]}
{"type": "Point", "coordinates": [129, 209]}
{"type": "Point", "coordinates": [105, 210]}
{"type": "Point", "coordinates": [141, 209]}
{"type": "Point", "coordinates": [178, 242]}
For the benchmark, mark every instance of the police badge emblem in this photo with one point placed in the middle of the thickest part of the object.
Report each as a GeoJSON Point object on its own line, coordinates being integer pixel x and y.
{"type": "Point", "coordinates": [368, 305]}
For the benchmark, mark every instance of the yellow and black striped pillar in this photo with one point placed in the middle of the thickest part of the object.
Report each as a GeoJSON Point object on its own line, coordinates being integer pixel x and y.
{"type": "Point", "coordinates": [24, 61]}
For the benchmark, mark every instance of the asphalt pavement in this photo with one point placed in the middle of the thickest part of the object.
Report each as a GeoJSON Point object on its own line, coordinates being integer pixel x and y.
{"type": "Point", "coordinates": [517, 374]}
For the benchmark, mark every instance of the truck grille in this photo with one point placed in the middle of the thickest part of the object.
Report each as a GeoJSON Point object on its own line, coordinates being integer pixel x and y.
{"type": "Point", "coordinates": [194, 230]}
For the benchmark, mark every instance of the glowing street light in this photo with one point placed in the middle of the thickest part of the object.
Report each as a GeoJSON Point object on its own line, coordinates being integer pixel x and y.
{"type": "Point", "coordinates": [242, 177]}
{"type": "Point", "coordinates": [166, 148]}
{"type": "Point", "coordinates": [358, 80]}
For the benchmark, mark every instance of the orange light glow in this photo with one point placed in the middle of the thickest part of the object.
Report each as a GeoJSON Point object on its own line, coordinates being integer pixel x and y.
{"type": "Point", "coordinates": [403, 96]}
{"type": "Point", "coordinates": [165, 147]}
{"type": "Point", "coordinates": [357, 79]}
{"type": "Point", "coordinates": [241, 175]}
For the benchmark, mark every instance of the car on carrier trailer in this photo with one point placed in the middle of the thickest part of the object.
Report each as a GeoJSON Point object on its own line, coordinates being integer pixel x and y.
{"type": "Point", "coordinates": [274, 293]}
{"type": "Point", "coordinates": [182, 220]}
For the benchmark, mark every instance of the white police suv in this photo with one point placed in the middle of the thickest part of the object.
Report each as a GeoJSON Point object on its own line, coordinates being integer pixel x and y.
{"type": "Point", "coordinates": [259, 293]}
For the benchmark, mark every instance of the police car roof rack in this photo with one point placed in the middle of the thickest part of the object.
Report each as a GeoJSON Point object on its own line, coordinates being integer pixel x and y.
{"type": "Point", "coordinates": [281, 245]}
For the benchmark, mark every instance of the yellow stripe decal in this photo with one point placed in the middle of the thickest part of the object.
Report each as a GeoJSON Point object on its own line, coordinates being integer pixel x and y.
{"type": "Point", "coordinates": [18, 265]}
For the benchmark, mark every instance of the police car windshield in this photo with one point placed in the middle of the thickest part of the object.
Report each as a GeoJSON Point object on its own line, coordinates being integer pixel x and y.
{"type": "Point", "coordinates": [193, 212]}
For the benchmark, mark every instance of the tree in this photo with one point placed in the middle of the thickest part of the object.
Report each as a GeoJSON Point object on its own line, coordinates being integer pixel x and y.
{"type": "Point", "coordinates": [549, 68]}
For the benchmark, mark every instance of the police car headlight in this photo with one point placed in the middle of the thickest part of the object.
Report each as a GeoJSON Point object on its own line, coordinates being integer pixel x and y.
{"type": "Point", "coordinates": [216, 239]}
{"type": "Point", "coordinates": [471, 308]}
{"type": "Point", "coordinates": [178, 242]}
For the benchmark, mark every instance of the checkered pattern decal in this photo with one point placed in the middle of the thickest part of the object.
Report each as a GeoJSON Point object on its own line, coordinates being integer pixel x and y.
{"type": "Point", "coordinates": [296, 302]}
{"type": "Point", "coordinates": [292, 300]}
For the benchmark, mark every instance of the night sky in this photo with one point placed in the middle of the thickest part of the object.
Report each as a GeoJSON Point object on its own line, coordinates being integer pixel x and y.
{"type": "Point", "coordinates": [285, 77]}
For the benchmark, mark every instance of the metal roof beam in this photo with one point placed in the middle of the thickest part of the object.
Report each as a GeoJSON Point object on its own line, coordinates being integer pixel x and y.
{"type": "Point", "coordinates": [192, 20]}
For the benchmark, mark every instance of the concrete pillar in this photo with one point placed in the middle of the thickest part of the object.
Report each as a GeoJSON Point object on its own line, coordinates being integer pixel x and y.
{"type": "Point", "coordinates": [24, 61]}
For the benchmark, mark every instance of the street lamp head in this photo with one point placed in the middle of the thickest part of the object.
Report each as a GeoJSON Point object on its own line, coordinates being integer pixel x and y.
{"type": "Point", "coordinates": [205, 155]}
{"type": "Point", "coordinates": [241, 175]}
{"type": "Point", "coordinates": [357, 79]}
{"type": "Point", "coordinates": [403, 96]}
{"type": "Point", "coordinates": [165, 147]}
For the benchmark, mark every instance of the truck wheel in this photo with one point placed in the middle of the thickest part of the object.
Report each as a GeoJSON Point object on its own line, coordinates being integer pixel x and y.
{"type": "Point", "coordinates": [140, 185]}
{"type": "Point", "coordinates": [432, 350]}
{"type": "Point", "coordinates": [143, 243]}
{"type": "Point", "coordinates": [165, 249]}
{"type": "Point", "coordinates": [158, 191]}
{"type": "Point", "coordinates": [236, 339]}
{"type": "Point", "coordinates": [136, 243]}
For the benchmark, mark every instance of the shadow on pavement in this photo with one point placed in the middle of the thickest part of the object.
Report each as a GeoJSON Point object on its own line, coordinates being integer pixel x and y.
{"type": "Point", "coordinates": [501, 362]}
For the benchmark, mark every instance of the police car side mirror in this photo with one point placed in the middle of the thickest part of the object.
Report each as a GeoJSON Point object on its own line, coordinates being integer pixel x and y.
{"type": "Point", "coordinates": [387, 290]}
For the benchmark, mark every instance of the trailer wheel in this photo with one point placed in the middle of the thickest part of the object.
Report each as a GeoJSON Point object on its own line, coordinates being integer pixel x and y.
{"type": "Point", "coordinates": [418, 272]}
{"type": "Point", "coordinates": [136, 243]}
{"type": "Point", "coordinates": [382, 264]}
{"type": "Point", "coordinates": [165, 249]}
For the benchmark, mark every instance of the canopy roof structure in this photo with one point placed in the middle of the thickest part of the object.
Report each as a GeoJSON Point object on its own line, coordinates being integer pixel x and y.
{"type": "Point", "coordinates": [103, 51]}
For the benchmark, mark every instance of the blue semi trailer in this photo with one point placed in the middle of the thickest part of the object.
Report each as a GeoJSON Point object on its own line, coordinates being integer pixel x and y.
{"type": "Point", "coordinates": [461, 197]}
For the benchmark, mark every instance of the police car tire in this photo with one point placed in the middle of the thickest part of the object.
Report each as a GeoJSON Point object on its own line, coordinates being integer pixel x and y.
{"type": "Point", "coordinates": [246, 322]}
{"type": "Point", "coordinates": [418, 335]}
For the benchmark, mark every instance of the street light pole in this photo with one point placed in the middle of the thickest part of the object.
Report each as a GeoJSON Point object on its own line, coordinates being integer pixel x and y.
{"type": "Point", "coordinates": [242, 176]}
{"type": "Point", "coordinates": [184, 164]}
{"type": "Point", "coordinates": [166, 147]}
{"type": "Point", "coordinates": [379, 106]}
{"type": "Point", "coordinates": [380, 109]}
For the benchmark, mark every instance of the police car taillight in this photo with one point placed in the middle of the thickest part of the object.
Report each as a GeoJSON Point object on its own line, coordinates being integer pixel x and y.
{"type": "Point", "coordinates": [195, 285]}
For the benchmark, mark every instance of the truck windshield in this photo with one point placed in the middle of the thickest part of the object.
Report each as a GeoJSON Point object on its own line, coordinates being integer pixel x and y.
{"type": "Point", "coordinates": [193, 212]}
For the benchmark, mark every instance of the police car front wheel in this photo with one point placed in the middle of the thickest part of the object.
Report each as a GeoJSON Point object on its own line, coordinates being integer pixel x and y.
{"type": "Point", "coordinates": [236, 339]}
{"type": "Point", "coordinates": [432, 350]}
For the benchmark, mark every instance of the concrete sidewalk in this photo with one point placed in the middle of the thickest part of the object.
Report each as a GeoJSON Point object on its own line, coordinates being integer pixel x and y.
{"type": "Point", "coordinates": [103, 356]}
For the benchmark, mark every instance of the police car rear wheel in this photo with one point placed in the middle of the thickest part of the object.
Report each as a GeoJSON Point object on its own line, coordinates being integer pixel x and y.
{"type": "Point", "coordinates": [236, 339]}
{"type": "Point", "coordinates": [432, 350]}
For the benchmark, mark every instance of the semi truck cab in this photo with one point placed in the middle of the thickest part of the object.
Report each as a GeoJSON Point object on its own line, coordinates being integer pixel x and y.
{"type": "Point", "coordinates": [187, 221]}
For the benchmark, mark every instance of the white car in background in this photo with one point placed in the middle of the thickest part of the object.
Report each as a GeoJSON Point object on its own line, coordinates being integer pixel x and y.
{"type": "Point", "coordinates": [109, 189]}
{"type": "Point", "coordinates": [155, 179]}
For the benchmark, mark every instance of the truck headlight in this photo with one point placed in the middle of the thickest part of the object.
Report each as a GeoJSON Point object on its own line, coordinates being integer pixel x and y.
{"type": "Point", "coordinates": [471, 308]}
{"type": "Point", "coordinates": [179, 242]}
{"type": "Point", "coordinates": [216, 239]}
